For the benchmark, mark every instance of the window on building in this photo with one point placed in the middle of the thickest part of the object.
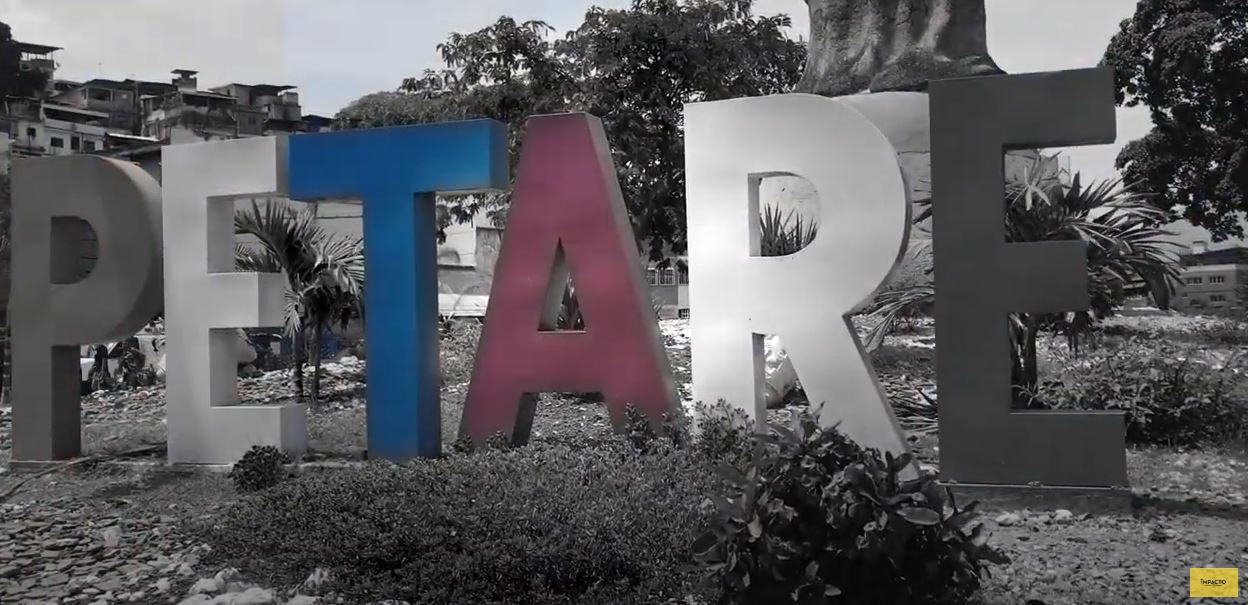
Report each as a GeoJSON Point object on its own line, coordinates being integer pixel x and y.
{"type": "Point", "coordinates": [1217, 298]}
{"type": "Point", "coordinates": [1217, 279]}
{"type": "Point", "coordinates": [652, 277]}
{"type": "Point", "coordinates": [57, 143]}
{"type": "Point", "coordinates": [669, 277]}
{"type": "Point", "coordinates": [89, 145]}
{"type": "Point", "coordinates": [683, 276]}
{"type": "Point", "coordinates": [1195, 280]}
{"type": "Point", "coordinates": [100, 94]}
{"type": "Point", "coordinates": [75, 143]}
{"type": "Point", "coordinates": [682, 313]}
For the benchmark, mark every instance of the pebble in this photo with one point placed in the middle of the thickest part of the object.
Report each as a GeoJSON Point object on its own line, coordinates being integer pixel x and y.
{"type": "Point", "coordinates": [52, 551]}
{"type": "Point", "coordinates": [341, 388]}
{"type": "Point", "coordinates": [205, 586]}
{"type": "Point", "coordinates": [1008, 519]}
{"type": "Point", "coordinates": [316, 580]}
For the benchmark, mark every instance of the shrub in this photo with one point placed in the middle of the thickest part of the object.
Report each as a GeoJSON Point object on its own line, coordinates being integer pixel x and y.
{"type": "Point", "coordinates": [1222, 334]}
{"type": "Point", "coordinates": [538, 524]}
{"type": "Point", "coordinates": [817, 516]}
{"type": "Point", "coordinates": [725, 434]}
{"type": "Point", "coordinates": [1171, 394]}
{"type": "Point", "coordinates": [458, 349]}
{"type": "Point", "coordinates": [1195, 329]}
{"type": "Point", "coordinates": [260, 468]}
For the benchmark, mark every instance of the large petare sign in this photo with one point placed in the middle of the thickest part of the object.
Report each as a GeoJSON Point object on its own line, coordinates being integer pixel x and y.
{"type": "Point", "coordinates": [172, 247]}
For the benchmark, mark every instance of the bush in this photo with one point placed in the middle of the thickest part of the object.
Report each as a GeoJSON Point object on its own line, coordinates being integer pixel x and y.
{"type": "Point", "coordinates": [538, 524]}
{"type": "Point", "coordinates": [1171, 394]}
{"type": "Point", "coordinates": [1222, 334]}
{"type": "Point", "coordinates": [260, 468]}
{"type": "Point", "coordinates": [458, 340]}
{"type": "Point", "coordinates": [1194, 329]}
{"type": "Point", "coordinates": [725, 434]}
{"type": "Point", "coordinates": [816, 517]}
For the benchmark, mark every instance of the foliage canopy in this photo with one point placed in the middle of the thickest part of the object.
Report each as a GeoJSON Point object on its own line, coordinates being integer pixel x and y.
{"type": "Point", "coordinates": [634, 68]}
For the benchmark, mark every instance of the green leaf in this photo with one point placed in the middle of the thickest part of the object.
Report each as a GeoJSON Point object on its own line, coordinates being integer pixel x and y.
{"type": "Point", "coordinates": [919, 516]}
{"type": "Point", "coordinates": [897, 464]}
{"type": "Point", "coordinates": [706, 545]}
{"type": "Point", "coordinates": [979, 536]}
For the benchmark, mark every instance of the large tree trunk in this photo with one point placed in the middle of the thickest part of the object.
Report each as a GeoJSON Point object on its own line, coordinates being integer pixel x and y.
{"type": "Point", "coordinates": [1024, 358]}
{"type": "Point", "coordinates": [4, 359]}
{"type": "Point", "coordinates": [300, 356]}
{"type": "Point", "coordinates": [316, 364]}
{"type": "Point", "coordinates": [1031, 366]}
{"type": "Point", "coordinates": [881, 45]}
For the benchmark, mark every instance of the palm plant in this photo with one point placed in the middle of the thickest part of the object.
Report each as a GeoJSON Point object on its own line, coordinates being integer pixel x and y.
{"type": "Point", "coordinates": [780, 235]}
{"type": "Point", "coordinates": [571, 318]}
{"type": "Point", "coordinates": [1128, 254]}
{"type": "Point", "coordinates": [324, 276]}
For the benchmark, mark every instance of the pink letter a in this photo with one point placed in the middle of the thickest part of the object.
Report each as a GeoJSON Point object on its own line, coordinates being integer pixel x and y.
{"type": "Point", "coordinates": [567, 214]}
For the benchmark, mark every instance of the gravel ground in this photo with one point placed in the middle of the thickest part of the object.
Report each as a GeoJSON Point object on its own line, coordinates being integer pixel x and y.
{"type": "Point", "coordinates": [114, 533]}
{"type": "Point", "coordinates": [1110, 560]}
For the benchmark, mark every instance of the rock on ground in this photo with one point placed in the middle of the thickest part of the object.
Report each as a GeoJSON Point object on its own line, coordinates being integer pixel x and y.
{"type": "Point", "coordinates": [66, 552]}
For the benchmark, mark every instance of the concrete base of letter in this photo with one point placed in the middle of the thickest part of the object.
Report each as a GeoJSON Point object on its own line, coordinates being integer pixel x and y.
{"type": "Point", "coordinates": [1079, 500]}
{"type": "Point", "coordinates": [281, 426]}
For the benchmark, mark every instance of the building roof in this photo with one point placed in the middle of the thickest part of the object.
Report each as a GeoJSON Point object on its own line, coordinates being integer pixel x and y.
{"type": "Point", "coordinates": [38, 49]}
{"type": "Point", "coordinates": [107, 83]}
{"type": "Point", "coordinates": [75, 110]}
{"type": "Point", "coordinates": [260, 88]}
{"type": "Point", "coordinates": [1222, 256]}
{"type": "Point", "coordinates": [206, 93]}
{"type": "Point", "coordinates": [133, 153]}
{"type": "Point", "coordinates": [145, 86]}
{"type": "Point", "coordinates": [130, 137]}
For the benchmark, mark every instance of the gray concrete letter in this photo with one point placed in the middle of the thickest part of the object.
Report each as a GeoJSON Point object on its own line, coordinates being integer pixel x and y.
{"type": "Point", "coordinates": [53, 312]}
{"type": "Point", "coordinates": [980, 279]}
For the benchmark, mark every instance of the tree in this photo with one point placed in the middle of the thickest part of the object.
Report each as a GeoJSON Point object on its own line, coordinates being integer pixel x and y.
{"type": "Point", "coordinates": [324, 276]}
{"type": "Point", "coordinates": [15, 81]}
{"type": "Point", "coordinates": [1187, 61]}
{"type": "Point", "coordinates": [1127, 255]}
{"type": "Point", "coordinates": [5, 244]}
{"type": "Point", "coordinates": [634, 68]}
{"type": "Point", "coordinates": [5, 216]}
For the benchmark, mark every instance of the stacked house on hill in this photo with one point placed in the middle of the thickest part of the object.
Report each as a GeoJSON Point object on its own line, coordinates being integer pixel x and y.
{"type": "Point", "coordinates": [133, 119]}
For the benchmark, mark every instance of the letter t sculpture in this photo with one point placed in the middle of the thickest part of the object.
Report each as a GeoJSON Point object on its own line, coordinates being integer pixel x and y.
{"type": "Point", "coordinates": [396, 172]}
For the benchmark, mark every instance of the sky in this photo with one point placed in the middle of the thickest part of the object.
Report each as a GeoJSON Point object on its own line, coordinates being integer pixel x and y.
{"type": "Point", "coordinates": [335, 51]}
